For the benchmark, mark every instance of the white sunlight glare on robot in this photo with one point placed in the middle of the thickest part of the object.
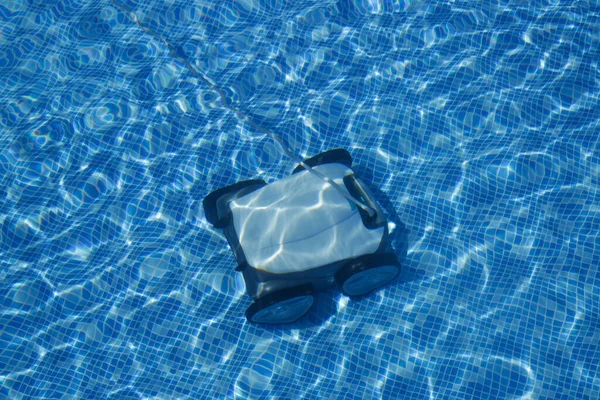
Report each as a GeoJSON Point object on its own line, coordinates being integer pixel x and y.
{"type": "Point", "coordinates": [303, 234]}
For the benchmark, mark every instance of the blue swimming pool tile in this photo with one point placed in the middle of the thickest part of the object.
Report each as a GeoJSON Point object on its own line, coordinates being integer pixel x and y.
{"type": "Point", "coordinates": [396, 385]}
{"type": "Point", "coordinates": [125, 394]}
{"type": "Point", "coordinates": [24, 385]}
{"type": "Point", "coordinates": [476, 125]}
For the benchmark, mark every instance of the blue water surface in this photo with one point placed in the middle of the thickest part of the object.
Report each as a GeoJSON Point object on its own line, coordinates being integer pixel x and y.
{"type": "Point", "coordinates": [475, 123]}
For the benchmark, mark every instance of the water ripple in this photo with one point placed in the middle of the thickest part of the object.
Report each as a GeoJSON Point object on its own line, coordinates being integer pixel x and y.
{"type": "Point", "coordinates": [477, 125]}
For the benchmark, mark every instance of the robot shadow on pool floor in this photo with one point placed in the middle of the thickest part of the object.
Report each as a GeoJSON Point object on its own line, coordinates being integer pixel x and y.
{"type": "Point", "coordinates": [301, 235]}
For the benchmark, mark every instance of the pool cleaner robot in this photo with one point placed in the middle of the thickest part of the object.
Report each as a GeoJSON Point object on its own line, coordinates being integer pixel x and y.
{"type": "Point", "coordinates": [302, 234]}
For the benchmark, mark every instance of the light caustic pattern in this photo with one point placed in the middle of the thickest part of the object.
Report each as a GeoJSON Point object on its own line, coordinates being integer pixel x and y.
{"type": "Point", "coordinates": [476, 123]}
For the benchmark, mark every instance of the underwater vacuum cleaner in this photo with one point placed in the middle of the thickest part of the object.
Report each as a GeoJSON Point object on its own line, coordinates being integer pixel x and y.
{"type": "Point", "coordinates": [303, 234]}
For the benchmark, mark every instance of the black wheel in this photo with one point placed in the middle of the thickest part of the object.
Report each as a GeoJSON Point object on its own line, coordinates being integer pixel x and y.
{"type": "Point", "coordinates": [328, 157]}
{"type": "Point", "coordinates": [366, 273]}
{"type": "Point", "coordinates": [215, 203]}
{"type": "Point", "coordinates": [281, 307]}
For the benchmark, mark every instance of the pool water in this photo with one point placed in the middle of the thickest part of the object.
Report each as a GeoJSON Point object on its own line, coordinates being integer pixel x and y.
{"type": "Point", "coordinates": [476, 124]}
